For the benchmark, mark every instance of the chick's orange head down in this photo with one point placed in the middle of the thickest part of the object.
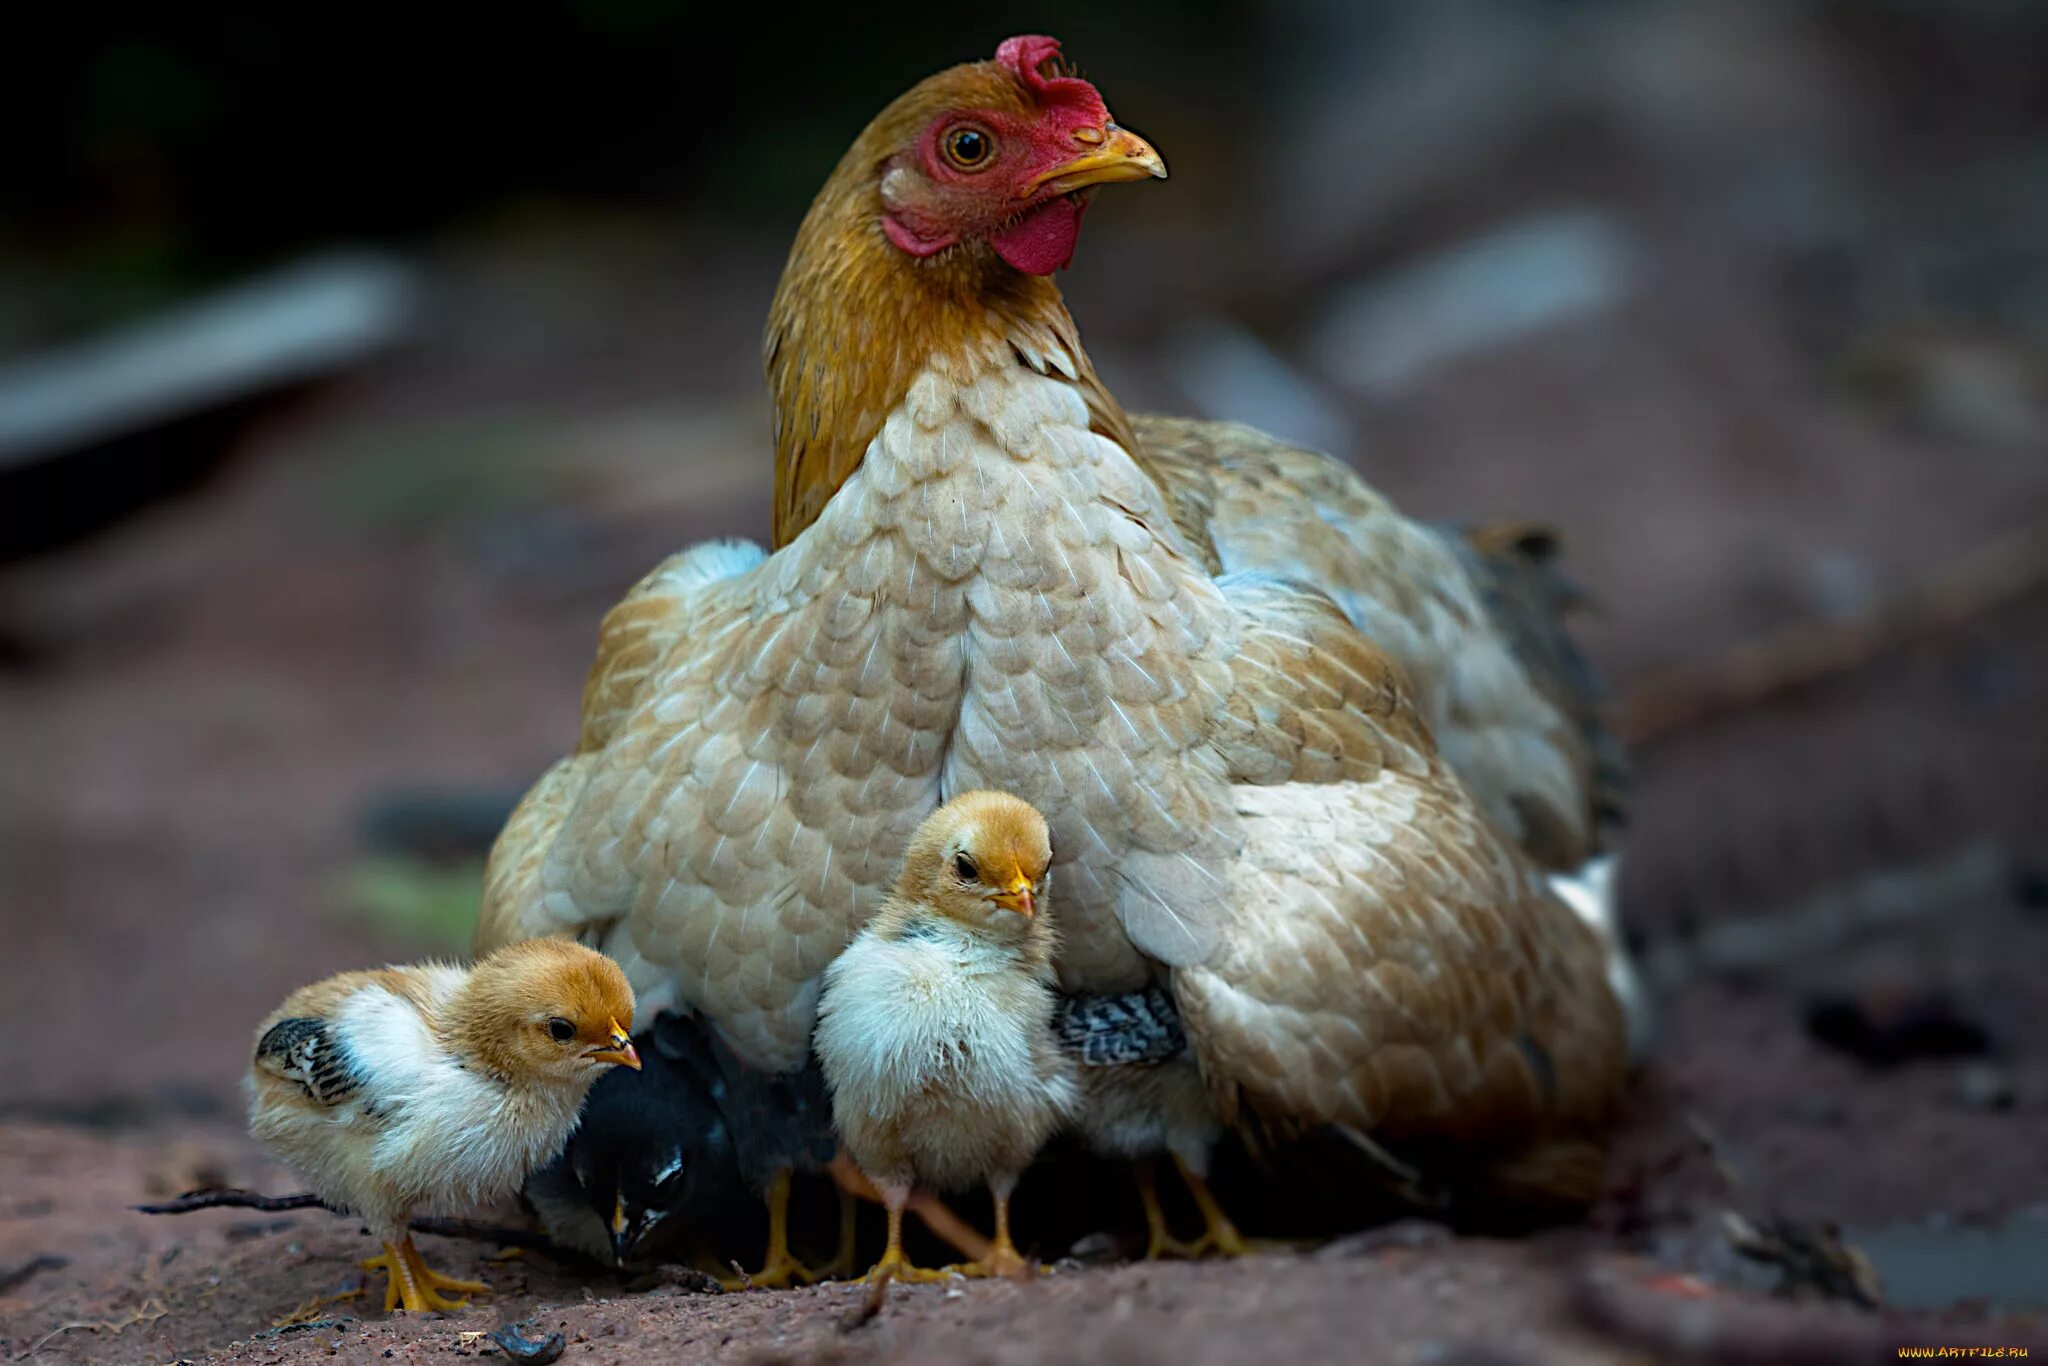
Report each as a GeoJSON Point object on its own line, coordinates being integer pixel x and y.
{"type": "Point", "coordinates": [1004, 151]}
{"type": "Point", "coordinates": [981, 859]}
{"type": "Point", "coordinates": [547, 1008]}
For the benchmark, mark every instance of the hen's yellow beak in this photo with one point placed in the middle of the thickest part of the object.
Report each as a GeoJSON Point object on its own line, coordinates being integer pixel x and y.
{"type": "Point", "coordinates": [620, 1050]}
{"type": "Point", "coordinates": [1017, 896]}
{"type": "Point", "coordinates": [1121, 155]}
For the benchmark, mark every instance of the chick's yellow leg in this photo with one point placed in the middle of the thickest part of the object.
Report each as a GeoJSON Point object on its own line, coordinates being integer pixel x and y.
{"type": "Point", "coordinates": [894, 1265]}
{"type": "Point", "coordinates": [926, 1206]}
{"type": "Point", "coordinates": [413, 1285]}
{"type": "Point", "coordinates": [1162, 1242]}
{"type": "Point", "coordinates": [1219, 1234]}
{"type": "Point", "coordinates": [1003, 1259]}
{"type": "Point", "coordinates": [779, 1269]}
{"type": "Point", "coordinates": [842, 1263]}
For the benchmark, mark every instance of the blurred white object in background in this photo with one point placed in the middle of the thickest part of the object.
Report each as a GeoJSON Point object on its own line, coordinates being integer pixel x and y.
{"type": "Point", "coordinates": [298, 324]}
{"type": "Point", "coordinates": [1228, 372]}
{"type": "Point", "coordinates": [1379, 335]}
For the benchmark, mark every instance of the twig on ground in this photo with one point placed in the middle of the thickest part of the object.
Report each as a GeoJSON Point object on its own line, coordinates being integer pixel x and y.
{"type": "Point", "coordinates": [501, 1234]}
{"type": "Point", "coordinates": [148, 1312]}
{"type": "Point", "coordinates": [870, 1303]}
{"type": "Point", "coordinates": [223, 1198]}
{"type": "Point", "coordinates": [309, 1312]}
{"type": "Point", "coordinates": [34, 1266]}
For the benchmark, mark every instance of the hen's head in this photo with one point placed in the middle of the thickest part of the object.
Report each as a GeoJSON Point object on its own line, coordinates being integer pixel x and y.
{"type": "Point", "coordinates": [547, 1010]}
{"type": "Point", "coordinates": [982, 860]}
{"type": "Point", "coordinates": [935, 236]}
{"type": "Point", "coordinates": [1003, 152]}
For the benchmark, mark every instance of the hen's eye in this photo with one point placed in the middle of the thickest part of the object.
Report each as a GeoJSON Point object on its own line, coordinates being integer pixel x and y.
{"type": "Point", "coordinates": [968, 148]}
{"type": "Point", "coordinates": [560, 1030]}
{"type": "Point", "coordinates": [964, 866]}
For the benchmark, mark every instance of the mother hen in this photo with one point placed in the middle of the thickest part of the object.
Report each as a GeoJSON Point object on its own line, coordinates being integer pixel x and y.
{"type": "Point", "coordinates": [1241, 687]}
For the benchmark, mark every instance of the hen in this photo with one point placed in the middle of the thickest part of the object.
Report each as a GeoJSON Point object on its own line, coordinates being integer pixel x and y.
{"type": "Point", "coordinates": [434, 1088]}
{"type": "Point", "coordinates": [1232, 678]}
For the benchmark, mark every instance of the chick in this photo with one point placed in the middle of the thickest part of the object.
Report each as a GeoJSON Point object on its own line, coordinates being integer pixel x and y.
{"type": "Point", "coordinates": [651, 1164]}
{"type": "Point", "coordinates": [934, 1027]}
{"type": "Point", "coordinates": [434, 1087]}
{"type": "Point", "coordinates": [1142, 1095]}
{"type": "Point", "coordinates": [661, 1156]}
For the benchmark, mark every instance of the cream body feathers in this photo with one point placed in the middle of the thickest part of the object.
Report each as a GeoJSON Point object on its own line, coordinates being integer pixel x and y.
{"type": "Point", "coordinates": [937, 1046]}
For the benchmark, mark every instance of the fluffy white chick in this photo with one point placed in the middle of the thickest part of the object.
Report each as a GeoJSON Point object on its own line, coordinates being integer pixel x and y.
{"type": "Point", "coordinates": [934, 1028]}
{"type": "Point", "coordinates": [434, 1087]}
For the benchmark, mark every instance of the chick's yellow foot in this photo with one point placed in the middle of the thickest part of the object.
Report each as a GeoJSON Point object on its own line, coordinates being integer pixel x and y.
{"type": "Point", "coordinates": [1003, 1260]}
{"type": "Point", "coordinates": [897, 1267]}
{"type": "Point", "coordinates": [413, 1285]}
{"type": "Point", "coordinates": [894, 1265]}
{"type": "Point", "coordinates": [842, 1264]}
{"type": "Point", "coordinates": [779, 1272]}
{"type": "Point", "coordinates": [1220, 1237]}
{"type": "Point", "coordinates": [1162, 1243]}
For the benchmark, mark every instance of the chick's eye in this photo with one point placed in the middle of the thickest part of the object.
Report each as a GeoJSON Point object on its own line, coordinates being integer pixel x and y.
{"type": "Point", "coordinates": [964, 866]}
{"type": "Point", "coordinates": [561, 1030]}
{"type": "Point", "coordinates": [968, 148]}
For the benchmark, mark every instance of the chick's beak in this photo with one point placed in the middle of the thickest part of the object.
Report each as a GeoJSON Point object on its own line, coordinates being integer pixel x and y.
{"type": "Point", "coordinates": [622, 1231]}
{"type": "Point", "coordinates": [620, 1050]}
{"type": "Point", "coordinates": [1017, 896]}
{"type": "Point", "coordinates": [1121, 155]}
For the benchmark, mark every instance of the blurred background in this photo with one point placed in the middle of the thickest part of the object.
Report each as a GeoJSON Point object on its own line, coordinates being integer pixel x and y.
{"type": "Point", "coordinates": [352, 364]}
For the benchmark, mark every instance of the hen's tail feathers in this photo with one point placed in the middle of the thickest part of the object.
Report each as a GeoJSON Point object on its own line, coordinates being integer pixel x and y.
{"type": "Point", "coordinates": [1593, 894]}
{"type": "Point", "coordinates": [1529, 598]}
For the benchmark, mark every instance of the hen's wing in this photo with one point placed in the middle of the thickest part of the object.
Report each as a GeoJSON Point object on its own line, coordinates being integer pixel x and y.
{"type": "Point", "coordinates": [1394, 964]}
{"type": "Point", "coordinates": [634, 637]}
{"type": "Point", "coordinates": [1252, 503]}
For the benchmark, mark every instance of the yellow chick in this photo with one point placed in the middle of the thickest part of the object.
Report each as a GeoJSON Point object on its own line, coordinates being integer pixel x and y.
{"type": "Point", "coordinates": [433, 1087]}
{"type": "Point", "coordinates": [934, 1028]}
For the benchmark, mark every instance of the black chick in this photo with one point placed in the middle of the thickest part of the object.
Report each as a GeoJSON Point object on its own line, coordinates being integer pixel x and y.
{"type": "Point", "coordinates": [651, 1164]}
{"type": "Point", "coordinates": [657, 1164]}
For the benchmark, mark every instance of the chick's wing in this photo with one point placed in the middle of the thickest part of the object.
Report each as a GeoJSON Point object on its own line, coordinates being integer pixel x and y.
{"type": "Point", "coordinates": [310, 1051]}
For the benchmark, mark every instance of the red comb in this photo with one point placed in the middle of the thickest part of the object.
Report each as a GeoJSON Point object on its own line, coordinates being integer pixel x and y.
{"type": "Point", "coordinates": [1036, 60]}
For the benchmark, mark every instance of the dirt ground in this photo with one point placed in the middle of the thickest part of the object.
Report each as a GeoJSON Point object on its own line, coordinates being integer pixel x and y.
{"type": "Point", "coordinates": [220, 717]}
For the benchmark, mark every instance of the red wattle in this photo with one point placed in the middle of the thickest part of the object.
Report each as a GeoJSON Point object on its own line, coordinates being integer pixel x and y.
{"type": "Point", "coordinates": [1042, 241]}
